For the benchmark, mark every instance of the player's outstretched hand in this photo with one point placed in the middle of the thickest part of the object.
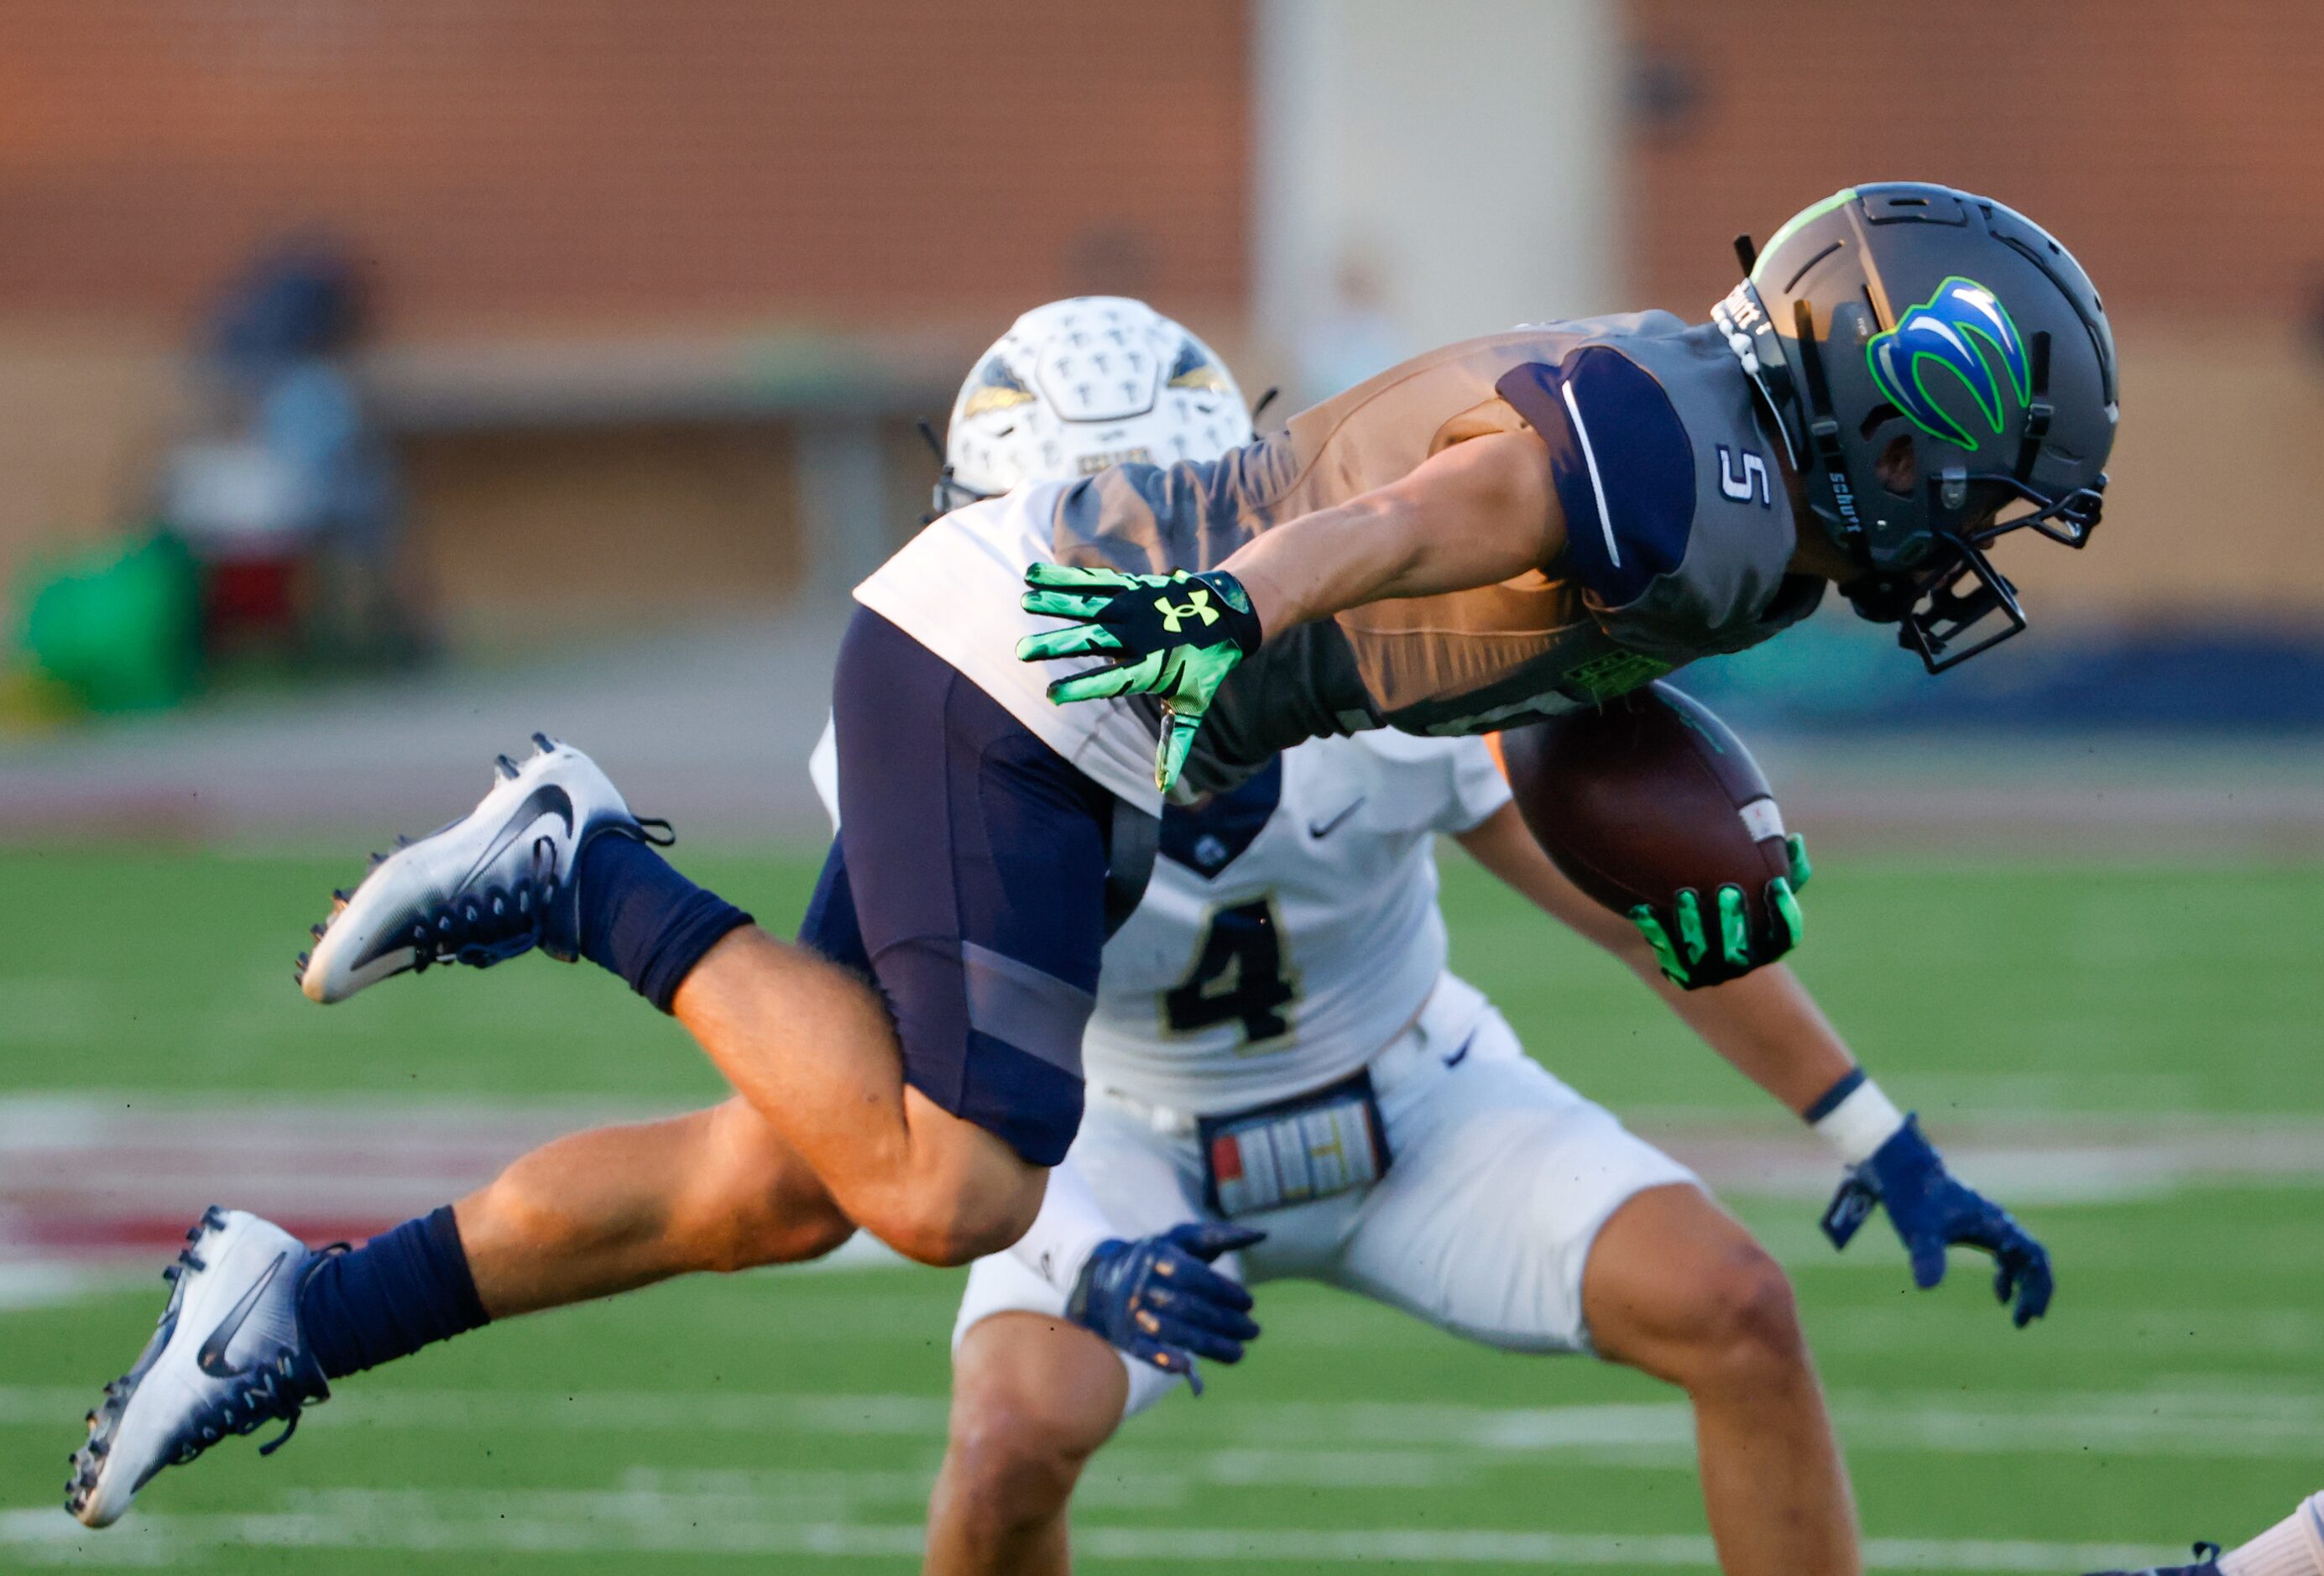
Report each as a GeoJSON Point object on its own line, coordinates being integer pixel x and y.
{"type": "Point", "coordinates": [1175, 636]}
{"type": "Point", "coordinates": [1697, 949]}
{"type": "Point", "coordinates": [1932, 1211]}
{"type": "Point", "coordinates": [1159, 1300]}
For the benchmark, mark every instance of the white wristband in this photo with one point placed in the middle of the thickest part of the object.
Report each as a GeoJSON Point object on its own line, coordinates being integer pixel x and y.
{"type": "Point", "coordinates": [1860, 1123]}
{"type": "Point", "coordinates": [1068, 1229]}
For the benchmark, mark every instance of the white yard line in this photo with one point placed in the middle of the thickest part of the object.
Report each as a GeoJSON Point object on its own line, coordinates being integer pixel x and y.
{"type": "Point", "coordinates": [636, 1522]}
{"type": "Point", "coordinates": [1264, 1436]}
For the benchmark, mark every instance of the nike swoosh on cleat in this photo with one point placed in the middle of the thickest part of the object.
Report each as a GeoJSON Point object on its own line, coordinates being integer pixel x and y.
{"type": "Point", "coordinates": [548, 800]}
{"type": "Point", "coordinates": [1323, 829]}
{"type": "Point", "coordinates": [211, 1358]}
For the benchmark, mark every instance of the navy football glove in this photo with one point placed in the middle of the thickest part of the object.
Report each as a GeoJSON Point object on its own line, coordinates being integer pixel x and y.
{"type": "Point", "coordinates": [1159, 1300]}
{"type": "Point", "coordinates": [1931, 1211]}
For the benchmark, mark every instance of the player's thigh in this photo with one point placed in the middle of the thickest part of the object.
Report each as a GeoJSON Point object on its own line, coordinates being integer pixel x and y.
{"type": "Point", "coordinates": [1487, 1220]}
{"type": "Point", "coordinates": [974, 860]}
{"type": "Point", "coordinates": [973, 1191]}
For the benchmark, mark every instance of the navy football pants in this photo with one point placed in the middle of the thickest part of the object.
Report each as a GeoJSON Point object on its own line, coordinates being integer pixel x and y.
{"type": "Point", "coordinates": [968, 881]}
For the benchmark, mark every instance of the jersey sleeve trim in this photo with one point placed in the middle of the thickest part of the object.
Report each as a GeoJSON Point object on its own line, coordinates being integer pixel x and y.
{"type": "Point", "coordinates": [1621, 463]}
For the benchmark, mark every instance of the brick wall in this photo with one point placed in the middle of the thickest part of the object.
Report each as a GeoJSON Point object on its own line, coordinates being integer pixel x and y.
{"type": "Point", "coordinates": [2177, 149]}
{"type": "Point", "coordinates": [590, 175]}
{"type": "Point", "coordinates": [587, 157]}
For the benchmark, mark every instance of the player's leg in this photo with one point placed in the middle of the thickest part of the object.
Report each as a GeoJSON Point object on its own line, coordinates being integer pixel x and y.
{"type": "Point", "coordinates": [616, 1208]}
{"type": "Point", "coordinates": [1677, 1288]}
{"type": "Point", "coordinates": [969, 876]}
{"type": "Point", "coordinates": [815, 1054]}
{"type": "Point", "coordinates": [258, 1325]}
{"type": "Point", "coordinates": [978, 871]}
{"type": "Point", "coordinates": [807, 1042]}
{"type": "Point", "coordinates": [587, 1215]}
{"type": "Point", "coordinates": [1520, 1214]}
{"type": "Point", "coordinates": [1034, 1396]}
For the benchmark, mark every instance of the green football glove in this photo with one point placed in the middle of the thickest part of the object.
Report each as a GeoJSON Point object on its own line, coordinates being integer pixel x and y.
{"type": "Point", "coordinates": [1175, 637]}
{"type": "Point", "coordinates": [1691, 957]}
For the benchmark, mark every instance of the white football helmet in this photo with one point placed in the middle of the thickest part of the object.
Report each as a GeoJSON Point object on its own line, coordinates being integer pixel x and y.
{"type": "Point", "coordinates": [1081, 384]}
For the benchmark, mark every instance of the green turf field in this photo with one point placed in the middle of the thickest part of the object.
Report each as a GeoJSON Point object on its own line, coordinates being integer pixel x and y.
{"type": "Point", "coordinates": [789, 1421]}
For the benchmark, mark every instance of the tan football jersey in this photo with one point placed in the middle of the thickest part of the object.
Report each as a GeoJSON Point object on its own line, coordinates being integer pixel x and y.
{"type": "Point", "coordinates": [1678, 525]}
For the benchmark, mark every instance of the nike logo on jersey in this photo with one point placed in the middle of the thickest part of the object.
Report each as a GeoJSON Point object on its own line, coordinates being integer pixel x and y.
{"type": "Point", "coordinates": [548, 800]}
{"type": "Point", "coordinates": [211, 1358]}
{"type": "Point", "coordinates": [1319, 830]}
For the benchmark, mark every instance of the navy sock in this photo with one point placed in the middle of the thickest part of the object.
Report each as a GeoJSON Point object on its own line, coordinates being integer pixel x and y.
{"type": "Point", "coordinates": [643, 920]}
{"type": "Point", "coordinates": [401, 1291]}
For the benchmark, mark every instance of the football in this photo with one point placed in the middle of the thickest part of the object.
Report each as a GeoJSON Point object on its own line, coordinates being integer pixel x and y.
{"type": "Point", "coordinates": [1646, 795]}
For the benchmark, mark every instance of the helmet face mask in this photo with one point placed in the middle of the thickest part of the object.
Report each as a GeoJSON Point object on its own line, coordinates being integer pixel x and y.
{"type": "Point", "coordinates": [1905, 314]}
{"type": "Point", "coordinates": [1081, 384]}
{"type": "Point", "coordinates": [950, 494]}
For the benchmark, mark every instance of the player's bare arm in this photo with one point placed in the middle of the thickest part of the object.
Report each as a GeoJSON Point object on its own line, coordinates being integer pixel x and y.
{"type": "Point", "coordinates": [1766, 1024]}
{"type": "Point", "coordinates": [1771, 1030]}
{"type": "Point", "coordinates": [1476, 513]}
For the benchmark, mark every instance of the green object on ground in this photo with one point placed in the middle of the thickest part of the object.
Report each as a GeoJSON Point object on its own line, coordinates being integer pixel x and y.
{"type": "Point", "coordinates": [119, 627]}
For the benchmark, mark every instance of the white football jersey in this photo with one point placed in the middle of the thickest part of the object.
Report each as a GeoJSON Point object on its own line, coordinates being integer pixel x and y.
{"type": "Point", "coordinates": [956, 589]}
{"type": "Point", "coordinates": [1291, 929]}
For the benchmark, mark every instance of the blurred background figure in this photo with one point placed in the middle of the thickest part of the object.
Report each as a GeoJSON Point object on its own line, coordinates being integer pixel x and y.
{"type": "Point", "coordinates": [290, 498]}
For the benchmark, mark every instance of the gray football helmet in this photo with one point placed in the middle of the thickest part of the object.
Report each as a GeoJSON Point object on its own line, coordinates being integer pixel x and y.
{"type": "Point", "coordinates": [1943, 374]}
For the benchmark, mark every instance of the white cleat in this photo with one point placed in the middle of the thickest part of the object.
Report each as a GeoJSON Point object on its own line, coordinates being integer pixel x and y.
{"type": "Point", "coordinates": [493, 885]}
{"type": "Point", "coordinates": [227, 1358]}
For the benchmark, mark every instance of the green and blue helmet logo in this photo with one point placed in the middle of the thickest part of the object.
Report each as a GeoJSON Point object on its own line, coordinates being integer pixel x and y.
{"type": "Point", "coordinates": [1965, 329]}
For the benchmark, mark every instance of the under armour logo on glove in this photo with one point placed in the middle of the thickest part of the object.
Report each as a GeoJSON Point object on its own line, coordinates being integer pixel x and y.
{"type": "Point", "coordinates": [1177, 648]}
{"type": "Point", "coordinates": [1196, 605]}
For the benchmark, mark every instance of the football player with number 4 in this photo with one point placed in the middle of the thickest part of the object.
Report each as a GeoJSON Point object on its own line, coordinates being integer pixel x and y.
{"type": "Point", "coordinates": [1279, 1062]}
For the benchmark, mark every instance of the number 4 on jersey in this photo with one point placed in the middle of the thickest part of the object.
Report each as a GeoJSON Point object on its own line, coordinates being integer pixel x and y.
{"type": "Point", "coordinates": [1237, 974]}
